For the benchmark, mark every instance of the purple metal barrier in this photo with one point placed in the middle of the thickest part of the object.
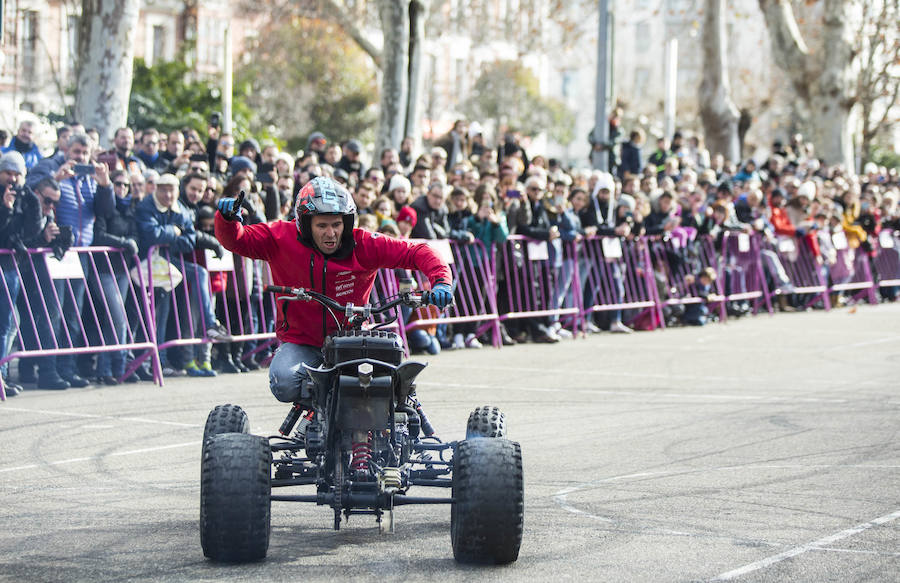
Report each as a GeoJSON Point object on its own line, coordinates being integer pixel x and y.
{"type": "Point", "coordinates": [535, 285]}
{"type": "Point", "coordinates": [618, 274]}
{"type": "Point", "coordinates": [742, 262]}
{"type": "Point", "coordinates": [802, 268]}
{"type": "Point", "coordinates": [887, 260]}
{"type": "Point", "coordinates": [196, 298]}
{"type": "Point", "coordinates": [473, 272]}
{"type": "Point", "coordinates": [79, 305]}
{"type": "Point", "coordinates": [672, 264]}
{"type": "Point", "coordinates": [859, 278]}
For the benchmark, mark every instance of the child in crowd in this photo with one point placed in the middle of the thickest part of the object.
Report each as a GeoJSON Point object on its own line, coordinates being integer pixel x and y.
{"type": "Point", "coordinates": [697, 314]}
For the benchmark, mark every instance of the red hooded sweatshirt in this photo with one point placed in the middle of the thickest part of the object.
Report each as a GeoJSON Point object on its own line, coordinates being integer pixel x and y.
{"type": "Point", "coordinates": [346, 276]}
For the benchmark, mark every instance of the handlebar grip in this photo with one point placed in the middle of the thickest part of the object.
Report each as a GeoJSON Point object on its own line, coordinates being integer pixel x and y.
{"type": "Point", "coordinates": [278, 289]}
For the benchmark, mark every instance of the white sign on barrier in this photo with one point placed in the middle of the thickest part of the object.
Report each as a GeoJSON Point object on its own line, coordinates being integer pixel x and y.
{"type": "Point", "coordinates": [839, 240]}
{"type": "Point", "coordinates": [886, 239]}
{"type": "Point", "coordinates": [786, 245]}
{"type": "Point", "coordinates": [743, 243]}
{"type": "Point", "coordinates": [69, 267]}
{"type": "Point", "coordinates": [612, 248]}
{"type": "Point", "coordinates": [442, 248]}
{"type": "Point", "coordinates": [538, 251]}
{"type": "Point", "coordinates": [213, 263]}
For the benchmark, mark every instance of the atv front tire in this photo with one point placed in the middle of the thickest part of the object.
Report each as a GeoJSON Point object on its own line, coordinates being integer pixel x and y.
{"type": "Point", "coordinates": [486, 421]}
{"type": "Point", "coordinates": [225, 419]}
{"type": "Point", "coordinates": [488, 511]}
{"type": "Point", "coordinates": [235, 504]}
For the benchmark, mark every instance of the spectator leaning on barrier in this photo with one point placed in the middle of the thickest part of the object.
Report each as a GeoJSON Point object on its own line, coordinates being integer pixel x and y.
{"type": "Point", "coordinates": [23, 143]}
{"type": "Point", "coordinates": [20, 220]}
{"type": "Point", "coordinates": [118, 229]}
{"type": "Point", "coordinates": [162, 220]}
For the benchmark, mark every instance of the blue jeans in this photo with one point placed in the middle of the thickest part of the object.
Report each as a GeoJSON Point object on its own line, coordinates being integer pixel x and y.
{"type": "Point", "coordinates": [114, 323]}
{"type": "Point", "coordinates": [12, 284]}
{"type": "Point", "coordinates": [286, 372]}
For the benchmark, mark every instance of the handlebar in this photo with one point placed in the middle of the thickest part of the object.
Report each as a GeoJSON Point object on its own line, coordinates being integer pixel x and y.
{"type": "Point", "coordinates": [409, 299]}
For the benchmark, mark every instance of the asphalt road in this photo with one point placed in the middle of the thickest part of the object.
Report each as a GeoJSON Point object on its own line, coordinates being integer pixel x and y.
{"type": "Point", "coordinates": [764, 449]}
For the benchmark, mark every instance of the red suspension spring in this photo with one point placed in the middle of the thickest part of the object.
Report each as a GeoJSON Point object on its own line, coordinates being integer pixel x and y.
{"type": "Point", "coordinates": [362, 455]}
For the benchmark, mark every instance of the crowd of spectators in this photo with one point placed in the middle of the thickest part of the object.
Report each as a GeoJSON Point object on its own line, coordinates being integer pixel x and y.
{"type": "Point", "coordinates": [154, 188]}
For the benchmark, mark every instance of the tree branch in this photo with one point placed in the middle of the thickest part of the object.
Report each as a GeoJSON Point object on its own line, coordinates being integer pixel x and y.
{"type": "Point", "coordinates": [338, 13]}
{"type": "Point", "coordinates": [788, 47]}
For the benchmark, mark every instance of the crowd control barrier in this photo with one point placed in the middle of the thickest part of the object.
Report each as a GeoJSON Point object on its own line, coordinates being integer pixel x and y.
{"type": "Point", "coordinates": [887, 261]}
{"type": "Point", "coordinates": [741, 270]}
{"type": "Point", "coordinates": [474, 294]}
{"type": "Point", "coordinates": [675, 260]}
{"type": "Point", "coordinates": [852, 272]}
{"type": "Point", "coordinates": [87, 302]}
{"type": "Point", "coordinates": [233, 286]}
{"type": "Point", "coordinates": [802, 269]}
{"type": "Point", "coordinates": [618, 274]}
{"type": "Point", "coordinates": [538, 279]}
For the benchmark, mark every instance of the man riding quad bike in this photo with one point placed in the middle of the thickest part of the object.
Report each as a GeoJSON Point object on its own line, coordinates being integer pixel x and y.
{"type": "Point", "coordinates": [359, 418]}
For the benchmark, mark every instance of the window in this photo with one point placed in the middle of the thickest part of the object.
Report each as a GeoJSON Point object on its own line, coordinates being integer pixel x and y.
{"type": "Point", "coordinates": [29, 44]}
{"type": "Point", "coordinates": [72, 45]}
{"type": "Point", "coordinates": [642, 36]}
{"type": "Point", "coordinates": [159, 43]}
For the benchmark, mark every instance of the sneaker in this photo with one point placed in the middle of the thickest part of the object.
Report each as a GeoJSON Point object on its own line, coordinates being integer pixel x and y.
{"type": "Point", "coordinates": [620, 328]}
{"type": "Point", "coordinates": [206, 369]}
{"type": "Point", "coordinates": [193, 370]}
{"type": "Point", "coordinates": [593, 328]}
{"type": "Point", "coordinates": [564, 333]}
{"type": "Point", "coordinates": [218, 333]}
{"type": "Point", "coordinates": [458, 342]}
{"type": "Point", "coordinates": [472, 341]}
{"type": "Point", "coordinates": [168, 371]}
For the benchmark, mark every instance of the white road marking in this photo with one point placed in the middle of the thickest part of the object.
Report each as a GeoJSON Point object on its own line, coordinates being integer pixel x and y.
{"type": "Point", "coordinates": [742, 397]}
{"type": "Point", "coordinates": [866, 343]}
{"type": "Point", "coordinates": [97, 457]}
{"type": "Point", "coordinates": [93, 416]}
{"type": "Point", "coordinates": [815, 545]}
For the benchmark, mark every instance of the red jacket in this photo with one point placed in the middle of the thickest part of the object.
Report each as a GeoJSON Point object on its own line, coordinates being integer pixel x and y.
{"type": "Point", "coordinates": [349, 279]}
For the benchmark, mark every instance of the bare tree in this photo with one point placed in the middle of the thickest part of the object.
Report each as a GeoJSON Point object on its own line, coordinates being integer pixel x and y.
{"type": "Point", "coordinates": [106, 49]}
{"type": "Point", "coordinates": [823, 79]}
{"type": "Point", "coordinates": [717, 110]}
{"type": "Point", "coordinates": [878, 84]}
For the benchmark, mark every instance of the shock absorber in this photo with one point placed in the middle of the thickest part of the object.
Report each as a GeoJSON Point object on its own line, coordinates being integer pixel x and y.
{"type": "Point", "coordinates": [427, 429]}
{"type": "Point", "coordinates": [362, 455]}
{"type": "Point", "coordinates": [291, 419]}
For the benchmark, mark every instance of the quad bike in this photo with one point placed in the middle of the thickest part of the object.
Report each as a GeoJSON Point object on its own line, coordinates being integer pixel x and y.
{"type": "Point", "coordinates": [363, 441]}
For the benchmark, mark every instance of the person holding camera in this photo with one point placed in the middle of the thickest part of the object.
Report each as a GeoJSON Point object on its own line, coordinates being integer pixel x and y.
{"type": "Point", "coordinates": [19, 220]}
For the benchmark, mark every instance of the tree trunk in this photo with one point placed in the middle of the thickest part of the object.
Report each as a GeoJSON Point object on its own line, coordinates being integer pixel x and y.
{"type": "Point", "coordinates": [417, 16]}
{"type": "Point", "coordinates": [719, 113]}
{"type": "Point", "coordinates": [106, 50]}
{"type": "Point", "coordinates": [394, 16]}
{"type": "Point", "coordinates": [823, 80]}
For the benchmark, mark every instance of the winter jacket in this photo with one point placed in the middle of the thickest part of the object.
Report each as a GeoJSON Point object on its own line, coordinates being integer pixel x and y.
{"type": "Point", "coordinates": [31, 153]}
{"type": "Point", "coordinates": [346, 276]}
{"type": "Point", "coordinates": [81, 201]}
{"type": "Point", "coordinates": [119, 229]}
{"type": "Point", "coordinates": [156, 226]}
{"type": "Point", "coordinates": [430, 223]}
{"type": "Point", "coordinates": [20, 224]}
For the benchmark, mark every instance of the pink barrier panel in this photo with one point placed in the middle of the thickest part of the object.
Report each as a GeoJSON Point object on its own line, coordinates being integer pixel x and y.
{"type": "Point", "coordinates": [742, 272]}
{"type": "Point", "coordinates": [674, 262]}
{"type": "Point", "coordinates": [802, 268]}
{"type": "Point", "coordinates": [195, 291]}
{"type": "Point", "coordinates": [537, 281]}
{"type": "Point", "coordinates": [887, 260]}
{"type": "Point", "coordinates": [89, 302]}
{"type": "Point", "coordinates": [618, 274]}
{"type": "Point", "coordinates": [474, 297]}
{"type": "Point", "coordinates": [857, 275]}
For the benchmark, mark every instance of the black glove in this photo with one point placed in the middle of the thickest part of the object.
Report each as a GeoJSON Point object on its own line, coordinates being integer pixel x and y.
{"type": "Point", "coordinates": [130, 248]}
{"type": "Point", "coordinates": [219, 251]}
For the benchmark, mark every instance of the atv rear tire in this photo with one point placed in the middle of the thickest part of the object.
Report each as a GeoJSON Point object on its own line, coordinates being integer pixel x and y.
{"type": "Point", "coordinates": [224, 419]}
{"type": "Point", "coordinates": [235, 504]}
{"type": "Point", "coordinates": [486, 421]}
{"type": "Point", "coordinates": [488, 511]}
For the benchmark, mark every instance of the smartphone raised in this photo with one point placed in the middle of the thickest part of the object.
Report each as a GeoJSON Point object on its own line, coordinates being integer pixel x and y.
{"type": "Point", "coordinates": [84, 169]}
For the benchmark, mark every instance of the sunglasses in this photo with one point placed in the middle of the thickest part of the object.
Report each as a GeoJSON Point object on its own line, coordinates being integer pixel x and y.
{"type": "Point", "coordinates": [124, 185]}
{"type": "Point", "coordinates": [49, 202]}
